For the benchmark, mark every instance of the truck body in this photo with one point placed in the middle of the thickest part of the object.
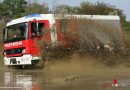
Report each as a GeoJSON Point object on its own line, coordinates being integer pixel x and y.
{"type": "Point", "coordinates": [21, 35]}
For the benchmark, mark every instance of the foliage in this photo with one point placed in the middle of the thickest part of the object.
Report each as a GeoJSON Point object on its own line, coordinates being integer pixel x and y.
{"type": "Point", "coordinates": [13, 8]}
{"type": "Point", "coordinates": [35, 8]}
{"type": "Point", "coordinates": [65, 9]}
{"type": "Point", "coordinates": [0, 10]}
{"type": "Point", "coordinates": [99, 8]}
{"type": "Point", "coordinates": [126, 26]}
{"type": "Point", "coordinates": [17, 8]}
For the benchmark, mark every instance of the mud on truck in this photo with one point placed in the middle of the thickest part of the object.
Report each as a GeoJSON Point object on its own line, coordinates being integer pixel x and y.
{"type": "Point", "coordinates": [21, 35]}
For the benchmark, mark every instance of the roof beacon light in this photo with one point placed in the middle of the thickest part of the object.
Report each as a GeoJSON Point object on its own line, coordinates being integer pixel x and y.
{"type": "Point", "coordinates": [33, 15]}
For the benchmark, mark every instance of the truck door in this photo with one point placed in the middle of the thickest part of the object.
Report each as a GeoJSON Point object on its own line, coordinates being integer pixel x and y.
{"type": "Point", "coordinates": [39, 32]}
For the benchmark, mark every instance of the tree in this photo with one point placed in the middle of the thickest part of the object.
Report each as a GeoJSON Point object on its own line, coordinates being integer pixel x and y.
{"type": "Point", "coordinates": [99, 8]}
{"type": "Point", "coordinates": [65, 9]}
{"type": "Point", "coordinates": [36, 8]}
{"type": "Point", "coordinates": [13, 8]}
{"type": "Point", "coordinates": [0, 10]}
{"type": "Point", "coordinates": [62, 9]}
{"type": "Point", "coordinates": [86, 8]}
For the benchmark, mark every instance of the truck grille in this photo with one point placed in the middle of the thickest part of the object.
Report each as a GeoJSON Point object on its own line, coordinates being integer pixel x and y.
{"type": "Point", "coordinates": [14, 51]}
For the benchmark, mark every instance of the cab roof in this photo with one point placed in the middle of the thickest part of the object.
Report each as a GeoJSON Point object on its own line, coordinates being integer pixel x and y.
{"type": "Point", "coordinates": [30, 18]}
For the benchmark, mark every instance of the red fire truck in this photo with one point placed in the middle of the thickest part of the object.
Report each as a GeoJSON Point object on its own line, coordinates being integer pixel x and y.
{"type": "Point", "coordinates": [21, 35]}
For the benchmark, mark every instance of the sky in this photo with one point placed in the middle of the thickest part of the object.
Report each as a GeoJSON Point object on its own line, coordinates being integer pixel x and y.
{"type": "Point", "coordinates": [121, 4]}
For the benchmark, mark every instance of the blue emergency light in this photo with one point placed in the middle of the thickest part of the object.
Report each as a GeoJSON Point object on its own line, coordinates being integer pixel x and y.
{"type": "Point", "coordinates": [33, 15]}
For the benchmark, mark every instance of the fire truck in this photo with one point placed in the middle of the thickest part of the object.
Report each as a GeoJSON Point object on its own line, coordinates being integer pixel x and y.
{"type": "Point", "coordinates": [21, 35]}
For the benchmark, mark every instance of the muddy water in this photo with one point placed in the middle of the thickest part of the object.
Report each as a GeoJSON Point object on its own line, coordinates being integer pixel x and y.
{"type": "Point", "coordinates": [73, 74]}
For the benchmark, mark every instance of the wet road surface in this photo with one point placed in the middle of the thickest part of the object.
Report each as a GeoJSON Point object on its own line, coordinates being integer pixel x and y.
{"type": "Point", "coordinates": [66, 75]}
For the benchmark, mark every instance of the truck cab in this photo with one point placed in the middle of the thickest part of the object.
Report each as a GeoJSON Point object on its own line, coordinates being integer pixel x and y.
{"type": "Point", "coordinates": [21, 36]}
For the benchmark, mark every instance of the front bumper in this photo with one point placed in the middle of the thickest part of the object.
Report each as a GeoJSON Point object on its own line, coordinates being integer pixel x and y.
{"type": "Point", "coordinates": [22, 60]}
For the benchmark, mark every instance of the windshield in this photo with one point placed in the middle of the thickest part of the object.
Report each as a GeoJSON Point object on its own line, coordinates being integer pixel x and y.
{"type": "Point", "coordinates": [16, 32]}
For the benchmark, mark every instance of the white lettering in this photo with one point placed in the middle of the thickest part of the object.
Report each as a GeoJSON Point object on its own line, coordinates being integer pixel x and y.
{"type": "Point", "coordinates": [13, 44]}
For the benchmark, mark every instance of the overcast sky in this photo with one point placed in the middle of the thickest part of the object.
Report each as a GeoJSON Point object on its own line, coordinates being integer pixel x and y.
{"type": "Point", "coordinates": [122, 4]}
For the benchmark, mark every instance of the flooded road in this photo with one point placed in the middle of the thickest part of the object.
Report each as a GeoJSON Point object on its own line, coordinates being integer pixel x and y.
{"type": "Point", "coordinates": [67, 75]}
